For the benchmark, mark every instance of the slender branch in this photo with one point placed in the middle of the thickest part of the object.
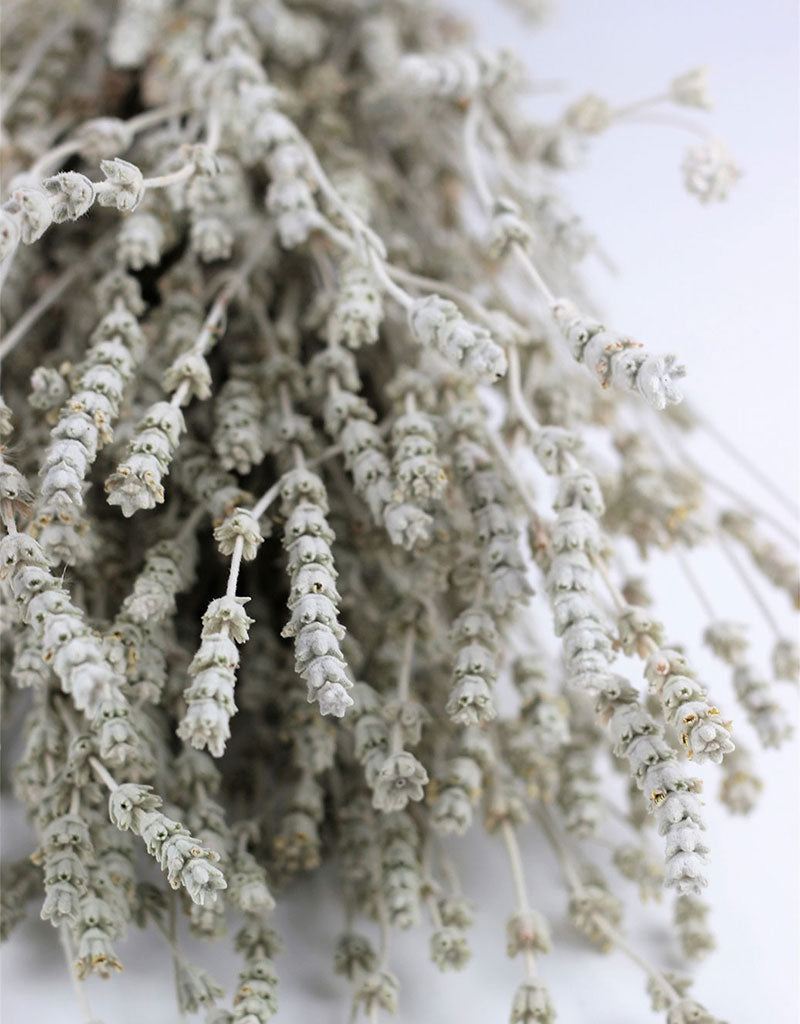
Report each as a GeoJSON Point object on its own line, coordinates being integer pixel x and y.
{"type": "Point", "coordinates": [603, 925]}
{"type": "Point", "coordinates": [30, 62]}
{"type": "Point", "coordinates": [755, 472]}
{"type": "Point", "coordinates": [751, 588]}
{"type": "Point", "coordinates": [39, 308]}
{"type": "Point", "coordinates": [104, 774]}
{"type": "Point", "coordinates": [694, 583]}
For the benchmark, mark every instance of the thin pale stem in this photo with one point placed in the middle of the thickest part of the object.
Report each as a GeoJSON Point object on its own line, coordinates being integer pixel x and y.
{"type": "Point", "coordinates": [404, 677]}
{"type": "Point", "coordinates": [30, 62]}
{"type": "Point", "coordinates": [400, 295]}
{"type": "Point", "coordinates": [694, 583]}
{"type": "Point", "coordinates": [527, 264]}
{"type": "Point", "coordinates": [614, 592]}
{"type": "Point", "coordinates": [104, 774]}
{"type": "Point", "coordinates": [172, 938]}
{"type": "Point", "coordinates": [447, 866]}
{"type": "Point", "coordinates": [520, 889]}
{"type": "Point", "coordinates": [518, 402]}
{"type": "Point", "coordinates": [266, 500]}
{"type": "Point", "coordinates": [757, 474]}
{"type": "Point", "coordinates": [673, 120]}
{"type": "Point", "coordinates": [148, 118]}
{"type": "Point", "coordinates": [216, 315]}
{"type": "Point", "coordinates": [190, 524]}
{"type": "Point", "coordinates": [443, 288]}
{"type": "Point", "coordinates": [77, 983]}
{"type": "Point", "coordinates": [577, 888]}
{"type": "Point", "coordinates": [48, 162]}
{"type": "Point", "coordinates": [677, 446]}
{"type": "Point", "coordinates": [236, 561]}
{"type": "Point", "coordinates": [38, 309]}
{"type": "Point", "coordinates": [363, 234]}
{"type": "Point", "coordinates": [173, 178]}
{"type": "Point", "coordinates": [486, 197]}
{"type": "Point", "coordinates": [472, 155]}
{"type": "Point", "coordinates": [639, 105]}
{"type": "Point", "coordinates": [515, 861]}
{"type": "Point", "coordinates": [403, 684]}
{"type": "Point", "coordinates": [751, 588]}
{"type": "Point", "coordinates": [505, 458]}
{"type": "Point", "coordinates": [383, 930]}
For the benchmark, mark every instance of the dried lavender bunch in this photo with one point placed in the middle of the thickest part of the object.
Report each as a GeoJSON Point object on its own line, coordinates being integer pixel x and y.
{"type": "Point", "coordinates": [303, 374]}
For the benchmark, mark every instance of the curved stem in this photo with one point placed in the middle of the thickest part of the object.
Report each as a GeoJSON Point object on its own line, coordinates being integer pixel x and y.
{"type": "Point", "coordinates": [444, 288]}
{"type": "Point", "coordinates": [518, 402]}
{"type": "Point", "coordinates": [400, 295]}
{"type": "Point", "coordinates": [164, 180]}
{"type": "Point", "coordinates": [363, 233]}
{"type": "Point", "coordinates": [48, 162]}
{"type": "Point", "coordinates": [148, 118]}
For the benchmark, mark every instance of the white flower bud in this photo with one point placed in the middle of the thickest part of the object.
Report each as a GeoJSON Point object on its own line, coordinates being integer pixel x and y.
{"type": "Point", "coordinates": [471, 702]}
{"type": "Point", "coordinates": [227, 613]}
{"type": "Point", "coordinates": [532, 1005]}
{"type": "Point", "coordinates": [691, 89]}
{"type": "Point", "coordinates": [358, 311]}
{"type": "Point", "coordinates": [34, 212]}
{"type": "Point", "coordinates": [507, 227]}
{"type": "Point", "coordinates": [400, 779]}
{"type": "Point", "coordinates": [10, 232]}
{"type": "Point", "coordinates": [192, 368]}
{"type": "Point", "coordinates": [589, 115]}
{"type": "Point", "coordinates": [72, 195]}
{"type": "Point", "coordinates": [709, 171]}
{"type": "Point", "coordinates": [437, 323]}
{"type": "Point", "coordinates": [240, 524]}
{"type": "Point", "coordinates": [449, 949]}
{"type": "Point", "coordinates": [123, 187]}
{"type": "Point", "coordinates": [527, 930]}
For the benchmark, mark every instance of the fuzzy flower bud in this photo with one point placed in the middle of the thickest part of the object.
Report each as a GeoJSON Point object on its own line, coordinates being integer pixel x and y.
{"type": "Point", "coordinates": [532, 1005]}
{"type": "Point", "coordinates": [437, 323]}
{"type": "Point", "coordinates": [401, 778]}
{"type": "Point", "coordinates": [709, 172]}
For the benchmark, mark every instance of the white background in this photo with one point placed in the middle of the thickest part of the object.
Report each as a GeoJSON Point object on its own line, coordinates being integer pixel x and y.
{"type": "Point", "coordinates": [717, 285]}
